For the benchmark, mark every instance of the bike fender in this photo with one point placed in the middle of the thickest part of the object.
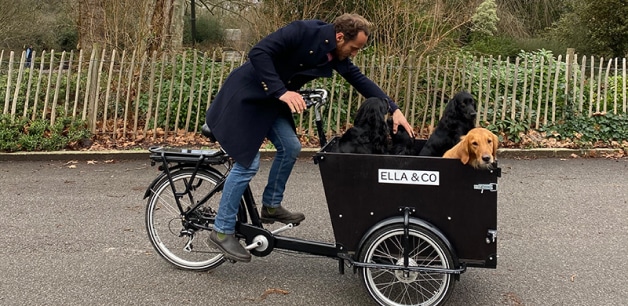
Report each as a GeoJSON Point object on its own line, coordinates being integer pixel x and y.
{"type": "Point", "coordinates": [163, 175]}
{"type": "Point", "coordinates": [149, 190]}
{"type": "Point", "coordinates": [415, 221]}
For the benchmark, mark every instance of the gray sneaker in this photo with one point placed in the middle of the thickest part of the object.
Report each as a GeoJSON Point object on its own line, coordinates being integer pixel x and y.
{"type": "Point", "coordinates": [231, 247]}
{"type": "Point", "coordinates": [281, 215]}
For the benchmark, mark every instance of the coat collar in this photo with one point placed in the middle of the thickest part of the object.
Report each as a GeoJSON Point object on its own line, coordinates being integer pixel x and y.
{"type": "Point", "coordinates": [327, 37]}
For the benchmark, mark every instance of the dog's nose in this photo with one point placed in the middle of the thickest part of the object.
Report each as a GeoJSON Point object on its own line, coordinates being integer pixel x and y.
{"type": "Point", "coordinates": [486, 158]}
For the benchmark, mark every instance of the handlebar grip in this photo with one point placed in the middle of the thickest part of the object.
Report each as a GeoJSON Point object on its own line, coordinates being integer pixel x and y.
{"type": "Point", "coordinates": [313, 96]}
{"type": "Point", "coordinates": [308, 102]}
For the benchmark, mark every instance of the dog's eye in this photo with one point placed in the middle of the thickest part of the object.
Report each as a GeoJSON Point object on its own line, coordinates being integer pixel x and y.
{"type": "Point", "coordinates": [490, 141]}
{"type": "Point", "coordinates": [475, 143]}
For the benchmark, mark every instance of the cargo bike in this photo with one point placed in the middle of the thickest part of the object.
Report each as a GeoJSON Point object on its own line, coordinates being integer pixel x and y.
{"type": "Point", "coordinates": [408, 225]}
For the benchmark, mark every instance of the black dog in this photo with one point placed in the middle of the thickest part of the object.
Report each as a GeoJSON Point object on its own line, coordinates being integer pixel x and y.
{"type": "Point", "coordinates": [458, 118]}
{"type": "Point", "coordinates": [403, 143]}
{"type": "Point", "coordinates": [369, 134]}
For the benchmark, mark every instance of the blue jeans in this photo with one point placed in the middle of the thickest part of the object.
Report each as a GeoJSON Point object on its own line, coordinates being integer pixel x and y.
{"type": "Point", "coordinates": [282, 136]}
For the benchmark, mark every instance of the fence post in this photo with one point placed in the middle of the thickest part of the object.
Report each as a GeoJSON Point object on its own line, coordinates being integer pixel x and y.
{"type": "Point", "coordinates": [623, 86]}
{"type": "Point", "coordinates": [55, 99]}
{"type": "Point", "coordinates": [181, 87]}
{"type": "Point", "coordinates": [415, 86]}
{"type": "Point", "coordinates": [138, 94]}
{"type": "Point", "coordinates": [28, 85]}
{"type": "Point", "coordinates": [407, 100]}
{"type": "Point", "coordinates": [8, 88]}
{"type": "Point", "coordinates": [515, 85]}
{"type": "Point", "coordinates": [78, 83]}
{"type": "Point", "coordinates": [68, 74]}
{"type": "Point", "coordinates": [108, 91]}
{"type": "Point", "coordinates": [151, 88]}
{"type": "Point", "coordinates": [92, 87]}
{"type": "Point", "coordinates": [96, 83]}
{"type": "Point", "coordinates": [17, 85]}
{"type": "Point", "coordinates": [159, 91]}
{"type": "Point", "coordinates": [569, 59]}
{"type": "Point", "coordinates": [489, 76]}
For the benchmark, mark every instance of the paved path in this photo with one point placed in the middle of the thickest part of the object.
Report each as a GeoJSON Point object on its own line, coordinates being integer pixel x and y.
{"type": "Point", "coordinates": [73, 234]}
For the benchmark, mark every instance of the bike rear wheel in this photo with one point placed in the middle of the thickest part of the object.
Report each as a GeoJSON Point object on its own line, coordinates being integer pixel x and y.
{"type": "Point", "coordinates": [183, 245]}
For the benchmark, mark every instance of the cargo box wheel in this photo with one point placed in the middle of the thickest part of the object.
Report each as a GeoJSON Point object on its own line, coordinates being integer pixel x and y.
{"type": "Point", "coordinates": [399, 287]}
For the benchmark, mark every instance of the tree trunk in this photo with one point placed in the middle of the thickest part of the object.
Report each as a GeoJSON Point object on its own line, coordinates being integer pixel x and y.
{"type": "Point", "coordinates": [91, 23]}
{"type": "Point", "coordinates": [162, 28]}
{"type": "Point", "coordinates": [178, 21]}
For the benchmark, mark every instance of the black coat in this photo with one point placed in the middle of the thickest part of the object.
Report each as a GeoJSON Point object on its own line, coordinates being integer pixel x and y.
{"type": "Point", "coordinates": [248, 103]}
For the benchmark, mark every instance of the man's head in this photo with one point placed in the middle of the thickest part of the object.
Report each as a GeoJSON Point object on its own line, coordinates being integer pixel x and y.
{"type": "Point", "coordinates": [352, 31]}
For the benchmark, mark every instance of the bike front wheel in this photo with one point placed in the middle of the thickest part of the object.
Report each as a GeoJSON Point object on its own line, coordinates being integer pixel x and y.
{"type": "Point", "coordinates": [399, 287]}
{"type": "Point", "coordinates": [184, 243]}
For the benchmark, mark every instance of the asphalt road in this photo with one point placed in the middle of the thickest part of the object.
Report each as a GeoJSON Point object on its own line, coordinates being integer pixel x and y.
{"type": "Point", "coordinates": [73, 234]}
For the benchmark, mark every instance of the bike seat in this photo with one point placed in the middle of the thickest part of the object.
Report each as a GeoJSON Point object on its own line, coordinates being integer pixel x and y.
{"type": "Point", "coordinates": [207, 132]}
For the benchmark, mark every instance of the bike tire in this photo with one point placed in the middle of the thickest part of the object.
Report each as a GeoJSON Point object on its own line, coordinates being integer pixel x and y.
{"type": "Point", "coordinates": [394, 287]}
{"type": "Point", "coordinates": [165, 226]}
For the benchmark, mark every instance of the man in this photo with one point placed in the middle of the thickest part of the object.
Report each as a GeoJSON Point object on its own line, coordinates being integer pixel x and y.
{"type": "Point", "coordinates": [29, 56]}
{"type": "Point", "coordinates": [258, 100]}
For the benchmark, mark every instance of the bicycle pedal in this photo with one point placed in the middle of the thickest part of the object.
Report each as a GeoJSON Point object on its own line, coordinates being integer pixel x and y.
{"type": "Point", "coordinates": [267, 221]}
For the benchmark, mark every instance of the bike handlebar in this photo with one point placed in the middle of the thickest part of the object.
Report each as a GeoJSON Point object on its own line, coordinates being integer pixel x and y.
{"type": "Point", "coordinates": [314, 97]}
{"type": "Point", "coordinates": [317, 98]}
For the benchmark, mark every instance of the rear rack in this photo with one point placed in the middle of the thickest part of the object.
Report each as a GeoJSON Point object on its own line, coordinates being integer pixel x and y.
{"type": "Point", "coordinates": [177, 155]}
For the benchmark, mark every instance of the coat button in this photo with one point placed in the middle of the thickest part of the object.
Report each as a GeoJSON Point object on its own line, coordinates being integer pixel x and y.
{"type": "Point", "coordinates": [326, 41]}
{"type": "Point", "coordinates": [300, 65]}
{"type": "Point", "coordinates": [311, 52]}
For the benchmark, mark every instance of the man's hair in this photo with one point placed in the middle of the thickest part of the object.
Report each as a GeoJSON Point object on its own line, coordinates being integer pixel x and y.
{"type": "Point", "coordinates": [352, 24]}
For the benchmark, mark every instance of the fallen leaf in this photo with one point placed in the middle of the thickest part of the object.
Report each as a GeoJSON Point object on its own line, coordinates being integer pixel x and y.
{"type": "Point", "coordinates": [72, 166]}
{"type": "Point", "coordinates": [272, 291]}
{"type": "Point", "coordinates": [512, 298]}
{"type": "Point", "coordinates": [91, 162]}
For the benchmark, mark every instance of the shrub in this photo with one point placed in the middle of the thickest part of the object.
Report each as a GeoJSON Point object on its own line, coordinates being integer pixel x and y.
{"type": "Point", "coordinates": [584, 130]}
{"type": "Point", "coordinates": [40, 135]}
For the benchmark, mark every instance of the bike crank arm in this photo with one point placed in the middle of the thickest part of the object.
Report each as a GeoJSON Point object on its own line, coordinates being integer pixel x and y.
{"type": "Point", "coordinates": [260, 242]}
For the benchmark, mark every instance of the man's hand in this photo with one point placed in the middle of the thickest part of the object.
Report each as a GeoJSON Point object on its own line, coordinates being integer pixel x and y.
{"type": "Point", "coordinates": [294, 100]}
{"type": "Point", "coordinates": [400, 119]}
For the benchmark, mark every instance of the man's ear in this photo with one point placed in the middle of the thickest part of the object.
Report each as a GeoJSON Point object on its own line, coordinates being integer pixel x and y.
{"type": "Point", "coordinates": [340, 36]}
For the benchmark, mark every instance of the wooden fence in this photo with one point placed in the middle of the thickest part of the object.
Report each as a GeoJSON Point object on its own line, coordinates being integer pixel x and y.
{"type": "Point", "coordinates": [132, 95]}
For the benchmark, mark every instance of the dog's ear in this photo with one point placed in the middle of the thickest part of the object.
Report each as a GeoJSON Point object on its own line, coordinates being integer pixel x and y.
{"type": "Point", "coordinates": [495, 145]}
{"type": "Point", "coordinates": [464, 148]}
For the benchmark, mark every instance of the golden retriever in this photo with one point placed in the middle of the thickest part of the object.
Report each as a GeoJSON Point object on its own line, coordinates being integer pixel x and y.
{"type": "Point", "coordinates": [478, 149]}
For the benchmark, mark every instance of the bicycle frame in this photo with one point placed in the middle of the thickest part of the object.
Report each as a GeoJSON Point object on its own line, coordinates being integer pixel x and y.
{"type": "Point", "coordinates": [249, 224]}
